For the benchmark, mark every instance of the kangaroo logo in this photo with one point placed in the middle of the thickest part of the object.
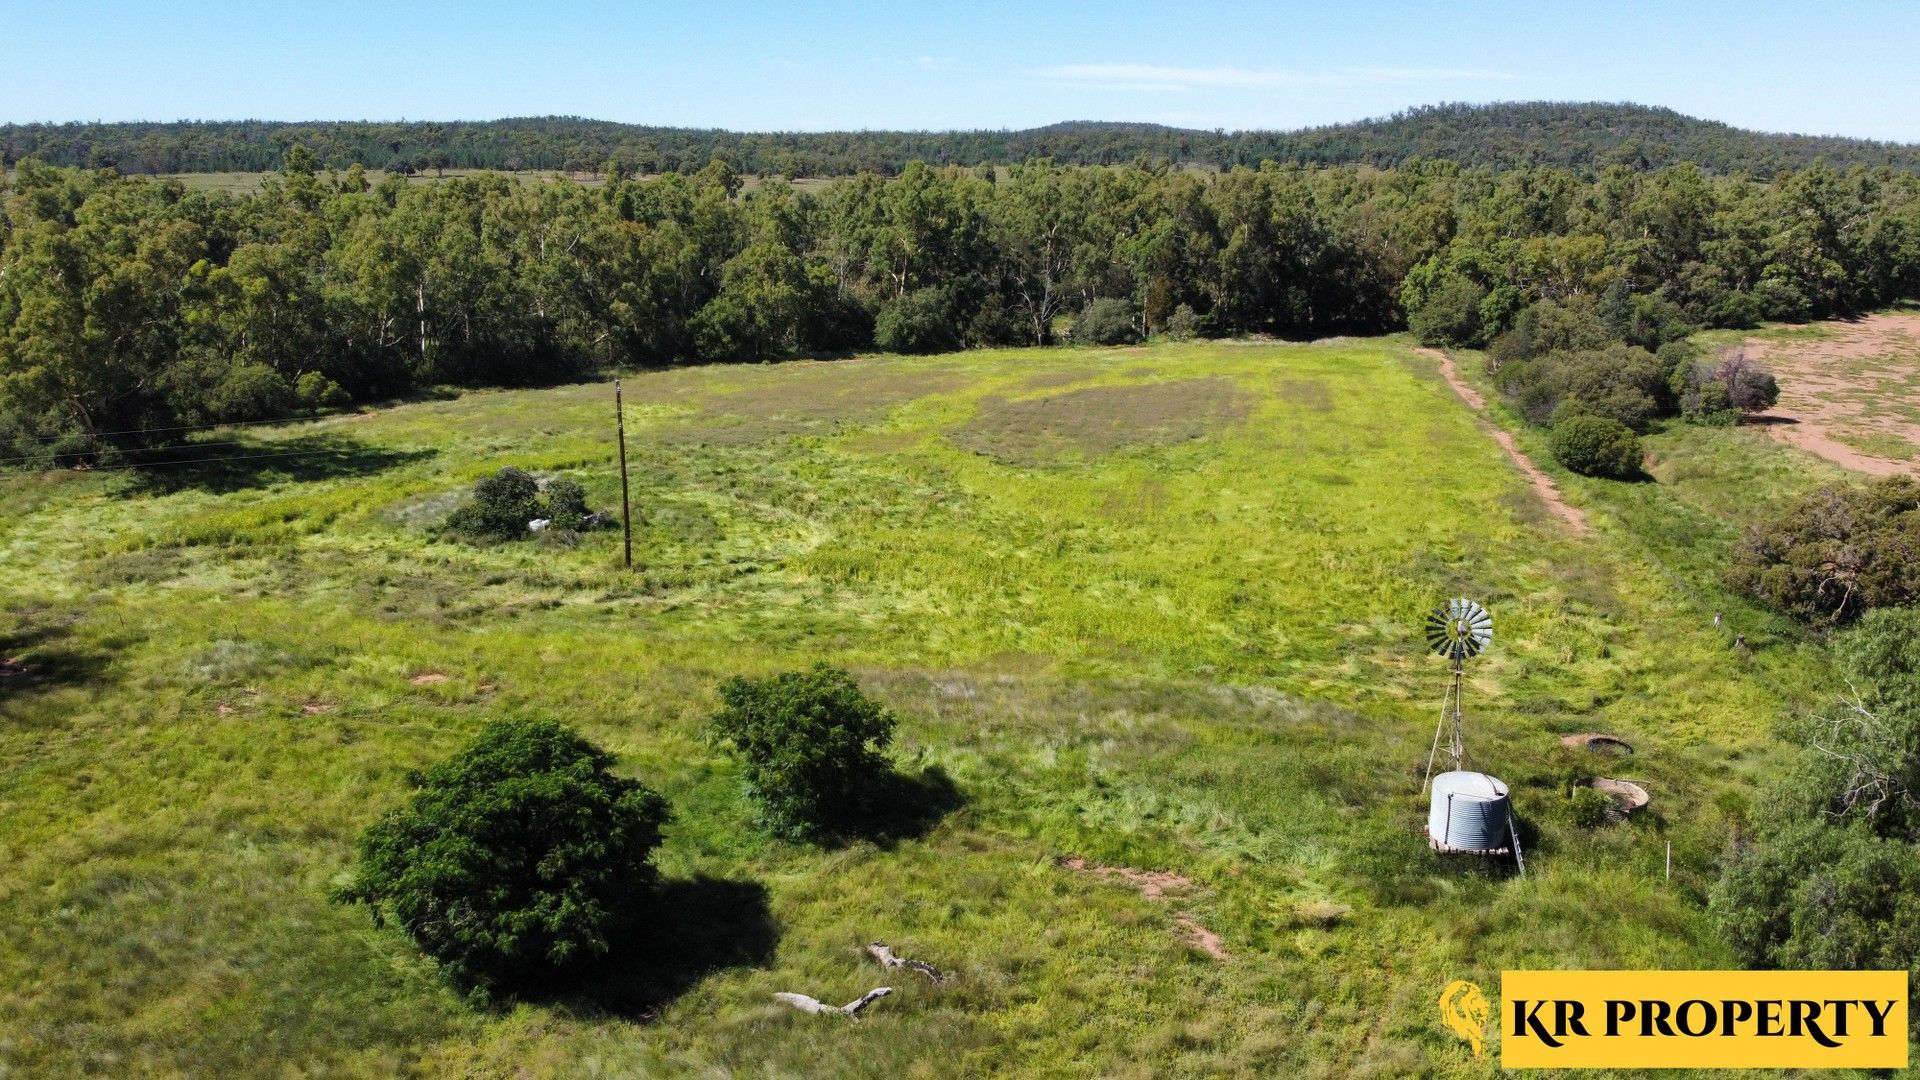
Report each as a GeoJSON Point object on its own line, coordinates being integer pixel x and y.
{"type": "Point", "coordinates": [1464, 1009]}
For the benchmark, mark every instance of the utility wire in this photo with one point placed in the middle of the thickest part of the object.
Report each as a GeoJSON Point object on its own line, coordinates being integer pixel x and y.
{"type": "Point", "coordinates": [210, 460]}
{"type": "Point", "coordinates": [182, 427]}
{"type": "Point", "coordinates": [58, 454]}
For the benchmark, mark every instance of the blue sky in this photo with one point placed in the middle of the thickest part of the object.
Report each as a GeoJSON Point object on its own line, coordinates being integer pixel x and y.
{"type": "Point", "coordinates": [1841, 69]}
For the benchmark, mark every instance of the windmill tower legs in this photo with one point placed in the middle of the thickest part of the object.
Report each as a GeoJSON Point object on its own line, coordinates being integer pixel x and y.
{"type": "Point", "coordinates": [1450, 718]}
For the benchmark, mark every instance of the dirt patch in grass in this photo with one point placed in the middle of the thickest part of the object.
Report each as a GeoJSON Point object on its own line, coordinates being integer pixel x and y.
{"type": "Point", "coordinates": [1310, 394]}
{"type": "Point", "coordinates": [804, 398]}
{"type": "Point", "coordinates": [831, 390]}
{"type": "Point", "coordinates": [886, 442]}
{"type": "Point", "coordinates": [1852, 395]}
{"type": "Point", "coordinates": [1058, 377]}
{"type": "Point", "coordinates": [1200, 937]}
{"type": "Point", "coordinates": [1156, 885]}
{"type": "Point", "coordinates": [1098, 420]}
{"type": "Point", "coordinates": [428, 678]}
{"type": "Point", "coordinates": [1596, 740]}
{"type": "Point", "coordinates": [1153, 884]}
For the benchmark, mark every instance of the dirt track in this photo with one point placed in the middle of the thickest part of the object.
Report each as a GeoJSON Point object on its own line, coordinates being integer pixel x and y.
{"type": "Point", "coordinates": [1543, 485]}
{"type": "Point", "coordinates": [1852, 398]}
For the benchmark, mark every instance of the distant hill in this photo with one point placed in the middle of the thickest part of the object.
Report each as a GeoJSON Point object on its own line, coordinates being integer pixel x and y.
{"type": "Point", "coordinates": [1580, 136]}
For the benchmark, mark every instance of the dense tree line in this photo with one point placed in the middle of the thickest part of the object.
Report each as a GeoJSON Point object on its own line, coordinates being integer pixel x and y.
{"type": "Point", "coordinates": [1828, 873]}
{"type": "Point", "coordinates": [135, 303]}
{"type": "Point", "coordinates": [1583, 137]}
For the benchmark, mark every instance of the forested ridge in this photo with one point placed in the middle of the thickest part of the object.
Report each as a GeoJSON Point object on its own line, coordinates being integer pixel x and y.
{"type": "Point", "coordinates": [1580, 136]}
{"type": "Point", "coordinates": [130, 303]}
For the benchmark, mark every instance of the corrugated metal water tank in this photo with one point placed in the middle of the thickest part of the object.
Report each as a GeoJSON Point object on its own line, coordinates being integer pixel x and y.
{"type": "Point", "coordinates": [1469, 813]}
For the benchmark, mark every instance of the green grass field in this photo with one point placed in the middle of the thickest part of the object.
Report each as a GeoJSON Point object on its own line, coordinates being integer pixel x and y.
{"type": "Point", "coordinates": [1154, 608]}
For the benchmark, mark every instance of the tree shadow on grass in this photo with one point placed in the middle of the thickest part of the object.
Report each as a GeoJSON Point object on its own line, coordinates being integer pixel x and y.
{"type": "Point", "coordinates": [684, 931]}
{"type": "Point", "coordinates": [907, 807]}
{"type": "Point", "coordinates": [897, 807]}
{"type": "Point", "coordinates": [229, 467]}
{"type": "Point", "coordinates": [38, 659]}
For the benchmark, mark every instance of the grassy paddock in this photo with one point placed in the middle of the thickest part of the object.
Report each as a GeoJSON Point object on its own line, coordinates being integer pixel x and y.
{"type": "Point", "coordinates": [1154, 607]}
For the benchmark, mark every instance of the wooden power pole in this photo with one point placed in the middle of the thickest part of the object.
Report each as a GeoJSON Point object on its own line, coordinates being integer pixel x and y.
{"type": "Point", "coordinates": [626, 508]}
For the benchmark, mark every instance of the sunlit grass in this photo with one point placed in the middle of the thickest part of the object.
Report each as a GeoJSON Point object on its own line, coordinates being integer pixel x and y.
{"type": "Point", "coordinates": [1193, 654]}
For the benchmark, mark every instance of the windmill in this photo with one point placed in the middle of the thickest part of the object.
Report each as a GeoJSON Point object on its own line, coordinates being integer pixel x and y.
{"type": "Point", "coordinates": [1458, 629]}
{"type": "Point", "coordinates": [1471, 813]}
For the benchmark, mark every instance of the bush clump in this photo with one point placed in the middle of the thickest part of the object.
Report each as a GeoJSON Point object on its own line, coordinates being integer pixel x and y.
{"type": "Point", "coordinates": [315, 391]}
{"type": "Point", "coordinates": [1106, 321]}
{"type": "Point", "coordinates": [1718, 394]}
{"type": "Point", "coordinates": [813, 745]}
{"type": "Point", "coordinates": [1836, 553]}
{"type": "Point", "coordinates": [503, 504]}
{"type": "Point", "coordinates": [1831, 877]}
{"type": "Point", "coordinates": [1548, 327]}
{"type": "Point", "coordinates": [518, 856]}
{"type": "Point", "coordinates": [1589, 808]}
{"type": "Point", "coordinates": [1183, 324]}
{"type": "Point", "coordinates": [1620, 382]}
{"type": "Point", "coordinates": [567, 506]}
{"type": "Point", "coordinates": [251, 392]}
{"type": "Point", "coordinates": [1819, 895]}
{"type": "Point", "coordinates": [922, 321]}
{"type": "Point", "coordinates": [1449, 314]}
{"type": "Point", "coordinates": [1597, 446]}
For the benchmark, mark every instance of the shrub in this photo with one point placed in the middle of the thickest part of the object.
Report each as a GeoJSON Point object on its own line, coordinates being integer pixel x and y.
{"type": "Point", "coordinates": [919, 322]}
{"type": "Point", "coordinates": [501, 506]}
{"type": "Point", "coordinates": [1837, 553]}
{"type": "Point", "coordinates": [519, 855]}
{"type": "Point", "coordinates": [1677, 359]}
{"type": "Point", "coordinates": [567, 505]}
{"type": "Point", "coordinates": [1813, 895]}
{"type": "Point", "coordinates": [1449, 314]}
{"type": "Point", "coordinates": [1882, 653]}
{"type": "Point", "coordinates": [1646, 321]}
{"type": "Point", "coordinates": [1106, 321]}
{"type": "Point", "coordinates": [1706, 402]}
{"type": "Point", "coordinates": [315, 391]}
{"type": "Point", "coordinates": [251, 392]}
{"type": "Point", "coordinates": [1596, 446]}
{"type": "Point", "coordinates": [1589, 809]}
{"type": "Point", "coordinates": [1546, 327]}
{"type": "Point", "coordinates": [1751, 387]}
{"type": "Point", "coordinates": [1620, 382]}
{"type": "Point", "coordinates": [813, 746]}
{"type": "Point", "coordinates": [1183, 323]}
{"type": "Point", "coordinates": [1735, 310]}
{"type": "Point", "coordinates": [1719, 393]}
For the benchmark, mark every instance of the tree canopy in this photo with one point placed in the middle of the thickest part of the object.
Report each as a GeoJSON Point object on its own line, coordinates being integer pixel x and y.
{"type": "Point", "coordinates": [129, 304]}
{"type": "Point", "coordinates": [1584, 136]}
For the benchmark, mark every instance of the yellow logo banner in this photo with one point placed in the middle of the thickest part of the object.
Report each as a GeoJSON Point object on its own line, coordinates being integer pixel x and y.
{"type": "Point", "coordinates": [1703, 1019]}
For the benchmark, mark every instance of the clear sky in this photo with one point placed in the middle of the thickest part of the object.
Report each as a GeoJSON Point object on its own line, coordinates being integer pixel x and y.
{"type": "Point", "coordinates": [1812, 66]}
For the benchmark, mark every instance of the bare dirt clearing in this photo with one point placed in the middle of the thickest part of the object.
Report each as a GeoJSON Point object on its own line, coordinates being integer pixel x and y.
{"type": "Point", "coordinates": [1542, 484]}
{"type": "Point", "coordinates": [1851, 395]}
{"type": "Point", "coordinates": [1156, 885]}
{"type": "Point", "coordinates": [1084, 424]}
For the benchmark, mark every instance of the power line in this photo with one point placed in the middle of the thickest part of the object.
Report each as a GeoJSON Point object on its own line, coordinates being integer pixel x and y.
{"type": "Point", "coordinates": [210, 460]}
{"type": "Point", "coordinates": [58, 454]}
{"type": "Point", "coordinates": [182, 427]}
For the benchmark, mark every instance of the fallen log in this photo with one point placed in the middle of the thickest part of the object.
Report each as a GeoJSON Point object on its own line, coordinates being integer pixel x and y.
{"type": "Point", "coordinates": [815, 1005]}
{"type": "Point", "coordinates": [884, 953]}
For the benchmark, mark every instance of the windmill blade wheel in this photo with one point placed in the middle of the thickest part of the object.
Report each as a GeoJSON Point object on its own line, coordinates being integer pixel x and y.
{"type": "Point", "coordinates": [1459, 629]}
